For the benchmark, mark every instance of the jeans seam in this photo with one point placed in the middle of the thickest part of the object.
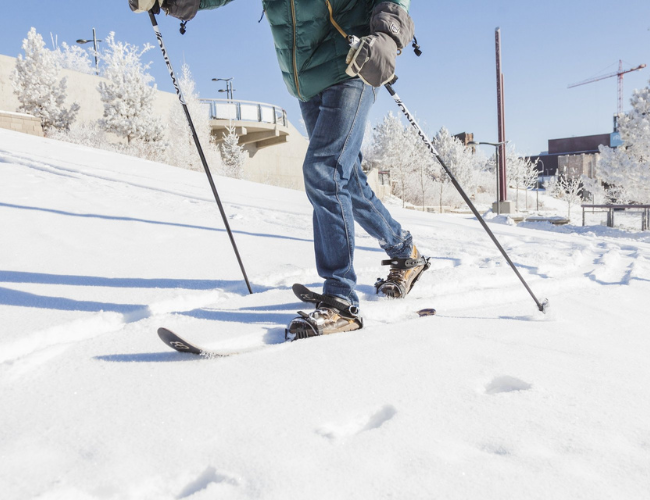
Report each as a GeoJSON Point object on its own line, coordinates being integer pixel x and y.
{"type": "Point", "coordinates": [345, 223]}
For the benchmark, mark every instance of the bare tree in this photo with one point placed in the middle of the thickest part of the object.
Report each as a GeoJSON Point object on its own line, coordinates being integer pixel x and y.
{"type": "Point", "coordinates": [566, 187]}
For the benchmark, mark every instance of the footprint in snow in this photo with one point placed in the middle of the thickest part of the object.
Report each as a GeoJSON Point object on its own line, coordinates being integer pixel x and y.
{"type": "Point", "coordinates": [496, 449]}
{"type": "Point", "coordinates": [358, 425]}
{"type": "Point", "coordinates": [506, 384]}
{"type": "Point", "coordinates": [206, 479]}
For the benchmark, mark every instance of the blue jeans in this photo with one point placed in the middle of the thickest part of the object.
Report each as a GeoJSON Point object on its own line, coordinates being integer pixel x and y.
{"type": "Point", "coordinates": [338, 189]}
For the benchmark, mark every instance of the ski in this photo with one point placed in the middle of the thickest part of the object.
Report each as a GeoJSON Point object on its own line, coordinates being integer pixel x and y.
{"type": "Point", "coordinates": [181, 345]}
{"type": "Point", "coordinates": [307, 295]}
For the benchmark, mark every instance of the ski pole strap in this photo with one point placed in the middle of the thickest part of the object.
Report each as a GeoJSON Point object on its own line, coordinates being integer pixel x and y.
{"type": "Point", "coordinates": [404, 263]}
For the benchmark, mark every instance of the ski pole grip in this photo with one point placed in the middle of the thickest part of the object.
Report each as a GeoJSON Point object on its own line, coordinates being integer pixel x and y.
{"type": "Point", "coordinates": [354, 41]}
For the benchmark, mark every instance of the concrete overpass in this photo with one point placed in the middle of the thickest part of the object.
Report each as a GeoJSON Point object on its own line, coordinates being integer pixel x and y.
{"type": "Point", "coordinates": [256, 123]}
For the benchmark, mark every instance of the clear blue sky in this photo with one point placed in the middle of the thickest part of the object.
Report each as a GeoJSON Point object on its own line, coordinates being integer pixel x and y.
{"type": "Point", "coordinates": [545, 46]}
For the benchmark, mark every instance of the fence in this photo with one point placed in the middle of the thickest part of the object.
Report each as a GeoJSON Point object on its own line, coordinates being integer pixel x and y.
{"type": "Point", "coordinates": [611, 209]}
{"type": "Point", "coordinates": [221, 109]}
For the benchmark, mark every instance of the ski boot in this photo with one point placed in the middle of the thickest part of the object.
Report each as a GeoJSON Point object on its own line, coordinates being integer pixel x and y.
{"type": "Point", "coordinates": [402, 275]}
{"type": "Point", "coordinates": [332, 315]}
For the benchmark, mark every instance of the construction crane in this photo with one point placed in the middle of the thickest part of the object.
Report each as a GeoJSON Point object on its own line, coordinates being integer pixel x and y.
{"type": "Point", "coordinates": [618, 74]}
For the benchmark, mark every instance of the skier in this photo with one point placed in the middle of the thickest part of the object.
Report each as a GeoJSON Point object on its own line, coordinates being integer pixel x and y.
{"type": "Point", "coordinates": [336, 86]}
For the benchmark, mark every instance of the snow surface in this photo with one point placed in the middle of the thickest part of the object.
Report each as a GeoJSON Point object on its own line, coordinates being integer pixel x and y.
{"type": "Point", "coordinates": [489, 399]}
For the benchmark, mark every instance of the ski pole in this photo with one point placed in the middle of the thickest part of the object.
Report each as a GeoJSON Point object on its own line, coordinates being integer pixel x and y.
{"type": "Point", "coordinates": [181, 98]}
{"type": "Point", "coordinates": [354, 43]}
{"type": "Point", "coordinates": [540, 305]}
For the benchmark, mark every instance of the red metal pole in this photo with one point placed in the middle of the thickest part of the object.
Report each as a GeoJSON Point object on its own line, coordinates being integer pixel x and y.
{"type": "Point", "coordinates": [503, 192]}
{"type": "Point", "coordinates": [504, 176]}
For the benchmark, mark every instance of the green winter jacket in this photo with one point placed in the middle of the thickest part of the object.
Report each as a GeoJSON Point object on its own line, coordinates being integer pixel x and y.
{"type": "Point", "coordinates": [311, 51]}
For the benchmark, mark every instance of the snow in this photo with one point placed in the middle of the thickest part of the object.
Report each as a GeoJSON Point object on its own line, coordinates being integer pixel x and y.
{"type": "Point", "coordinates": [488, 399]}
{"type": "Point", "coordinates": [21, 115]}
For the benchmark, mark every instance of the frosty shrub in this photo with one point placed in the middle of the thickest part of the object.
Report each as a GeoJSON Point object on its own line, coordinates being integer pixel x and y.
{"type": "Point", "coordinates": [232, 154]}
{"type": "Point", "coordinates": [153, 151]}
{"type": "Point", "coordinates": [182, 151]}
{"type": "Point", "coordinates": [92, 135]}
{"type": "Point", "coordinates": [38, 88]}
{"type": "Point", "coordinates": [128, 97]}
{"type": "Point", "coordinates": [627, 169]}
{"type": "Point", "coordinates": [85, 134]}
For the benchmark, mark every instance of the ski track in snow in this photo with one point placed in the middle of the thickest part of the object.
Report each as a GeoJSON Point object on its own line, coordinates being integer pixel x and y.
{"type": "Point", "coordinates": [488, 399]}
{"type": "Point", "coordinates": [102, 323]}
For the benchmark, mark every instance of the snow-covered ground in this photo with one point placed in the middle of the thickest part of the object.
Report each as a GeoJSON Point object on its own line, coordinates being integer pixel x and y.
{"type": "Point", "coordinates": [490, 399]}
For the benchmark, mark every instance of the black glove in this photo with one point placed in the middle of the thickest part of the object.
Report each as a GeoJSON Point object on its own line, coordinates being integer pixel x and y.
{"type": "Point", "coordinates": [373, 60]}
{"type": "Point", "coordinates": [181, 9]}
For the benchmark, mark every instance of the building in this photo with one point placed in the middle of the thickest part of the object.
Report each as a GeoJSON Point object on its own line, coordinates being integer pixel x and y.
{"type": "Point", "coordinates": [578, 155]}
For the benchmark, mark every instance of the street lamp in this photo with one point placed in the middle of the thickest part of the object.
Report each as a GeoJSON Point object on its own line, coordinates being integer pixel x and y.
{"type": "Point", "coordinates": [228, 90]}
{"type": "Point", "coordinates": [496, 145]}
{"type": "Point", "coordinates": [95, 42]}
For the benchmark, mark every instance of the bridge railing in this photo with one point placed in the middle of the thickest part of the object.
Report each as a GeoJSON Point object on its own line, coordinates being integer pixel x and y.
{"type": "Point", "coordinates": [223, 109]}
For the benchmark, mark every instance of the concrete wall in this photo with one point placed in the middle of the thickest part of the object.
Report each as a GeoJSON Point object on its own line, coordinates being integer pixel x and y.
{"type": "Point", "coordinates": [279, 165]}
{"type": "Point", "coordinates": [20, 122]}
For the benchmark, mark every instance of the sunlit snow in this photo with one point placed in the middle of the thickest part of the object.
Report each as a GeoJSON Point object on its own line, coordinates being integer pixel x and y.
{"type": "Point", "coordinates": [489, 399]}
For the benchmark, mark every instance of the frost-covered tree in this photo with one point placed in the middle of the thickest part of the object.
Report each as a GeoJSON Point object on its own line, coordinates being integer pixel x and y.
{"type": "Point", "coordinates": [522, 173]}
{"type": "Point", "coordinates": [128, 97]}
{"type": "Point", "coordinates": [423, 167]}
{"type": "Point", "coordinates": [232, 154]}
{"type": "Point", "coordinates": [565, 187]}
{"type": "Point", "coordinates": [459, 159]}
{"type": "Point", "coordinates": [36, 83]}
{"type": "Point", "coordinates": [387, 152]}
{"type": "Point", "coordinates": [594, 188]}
{"type": "Point", "coordinates": [626, 174]}
{"type": "Point", "coordinates": [73, 57]}
{"type": "Point", "coordinates": [530, 176]}
{"type": "Point", "coordinates": [182, 151]}
{"type": "Point", "coordinates": [627, 168]}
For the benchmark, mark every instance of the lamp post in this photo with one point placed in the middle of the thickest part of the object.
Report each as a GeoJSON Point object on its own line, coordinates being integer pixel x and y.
{"type": "Point", "coordinates": [95, 42]}
{"type": "Point", "coordinates": [497, 146]}
{"type": "Point", "coordinates": [228, 90]}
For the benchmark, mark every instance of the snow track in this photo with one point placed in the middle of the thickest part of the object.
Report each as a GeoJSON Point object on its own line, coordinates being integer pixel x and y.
{"type": "Point", "coordinates": [489, 399]}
